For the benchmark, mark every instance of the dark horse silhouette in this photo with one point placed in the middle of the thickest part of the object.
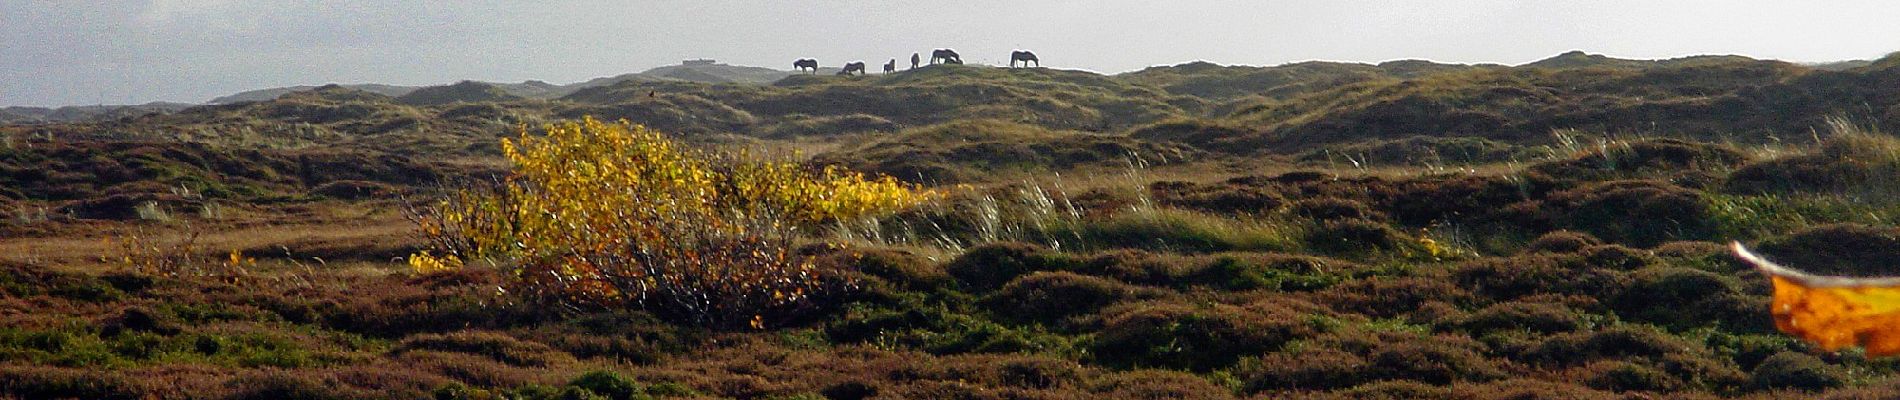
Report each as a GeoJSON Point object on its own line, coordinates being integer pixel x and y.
{"type": "Point", "coordinates": [804, 64]}
{"type": "Point", "coordinates": [890, 67]}
{"type": "Point", "coordinates": [914, 60]}
{"type": "Point", "coordinates": [857, 67]}
{"type": "Point", "coordinates": [1025, 56]}
{"type": "Point", "coordinates": [947, 55]}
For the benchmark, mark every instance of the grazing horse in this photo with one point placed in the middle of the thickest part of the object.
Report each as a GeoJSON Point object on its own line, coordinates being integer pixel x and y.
{"type": "Point", "coordinates": [914, 60]}
{"type": "Point", "coordinates": [805, 63]}
{"type": "Point", "coordinates": [947, 55]}
{"type": "Point", "coordinates": [890, 67]}
{"type": "Point", "coordinates": [857, 67]}
{"type": "Point", "coordinates": [1025, 56]}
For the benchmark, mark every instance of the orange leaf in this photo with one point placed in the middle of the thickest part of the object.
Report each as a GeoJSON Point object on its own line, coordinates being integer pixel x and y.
{"type": "Point", "coordinates": [1832, 311]}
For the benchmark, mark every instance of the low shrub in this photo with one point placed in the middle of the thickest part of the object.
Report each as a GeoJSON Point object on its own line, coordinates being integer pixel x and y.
{"type": "Point", "coordinates": [905, 269]}
{"type": "Point", "coordinates": [1355, 236]}
{"type": "Point", "coordinates": [1153, 384]}
{"type": "Point", "coordinates": [1392, 390]}
{"type": "Point", "coordinates": [1793, 370]}
{"type": "Point", "coordinates": [1333, 208]}
{"type": "Point", "coordinates": [1527, 388]}
{"type": "Point", "coordinates": [608, 384]}
{"type": "Point", "coordinates": [40, 382]}
{"type": "Point", "coordinates": [1519, 315]}
{"type": "Point", "coordinates": [1228, 199]}
{"type": "Point", "coordinates": [1048, 297]}
{"type": "Point", "coordinates": [1538, 274]}
{"type": "Point", "coordinates": [1431, 362]}
{"type": "Point", "coordinates": [1838, 249]}
{"type": "Point", "coordinates": [1306, 369]}
{"type": "Point", "coordinates": [1389, 296]}
{"type": "Point", "coordinates": [1854, 161]}
{"type": "Point", "coordinates": [1622, 341]}
{"type": "Point", "coordinates": [989, 266]}
{"type": "Point", "coordinates": [1682, 298]}
{"type": "Point", "coordinates": [1562, 241]}
{"type": "Point", "coordinates": [939, 330]}
{"type": "Point", "coordinates": [1221, 271]}
{"type": "Point", "coordinates": [496, 346]}
{"type": "Point", "coordinates": [1198, 338]}
{"type": "Point", "coordinates": [280, 385]}
{"type": "Point", "coordinates": [1640, 213]}
{"type": "Point", "coordinates": [849, 390]}
{"type": "Point", "coordinates": [1623, 376]}
{"type": "Point", "coordinates": [1667, 159]}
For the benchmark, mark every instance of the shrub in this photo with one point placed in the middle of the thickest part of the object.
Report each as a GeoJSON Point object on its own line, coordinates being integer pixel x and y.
{"type": "Point", "coordinates": [849, 390]}
{"type": "Point", "coordinates": [1616, 342]}
{"type": "Point", "coordinates": [1198, 338]}
{"type": "Point", "coordinates": [141, 319]}
{"type": "Point", "coordinates": [1151, 384]}
{"type": "Point", "coordinates": [1246, 271]}
{"type": "Point", "coordinates": [1689, 249]}
{"type": "Point", "coordinates": [1683, 298]}
{"type": "Point", "coordinates": [609, 384]}
{"type": "Point", "coordinates": [1528, 275]}
{"type": "Point", "coordinates": [1625, 376]}
{"type": "Point", "coordinates": [1671, 159]}
{"type": "Point", "coordinates": [1355, 236]}
{"type": "Point", "coordinates": [1430, 361]}
{"type": "Point", "coordinates": [1797, 371]}
{"type": "Point", "coordinates": [1535, 317]}
{"type": "Point", "coordinates": [1854, 161]}
{"type": "Point", "coordinates": [1617, 257]}
{"type": "Point", "coordinates": [1221, 271]}
{"type": "Point", "coordinates": [457, 391]}
{"type": "Point", "coordinates": [282, 386]}
{"type": "Point", "coordinates": [989, 266]}
{"type": "Point", "coordinates": [1051, 296]}
{"type": "Point", "coordinates": [1640, 213]}
{"type": "Point", "coordinates": [936, 329]}
{"type": "Point", "coordinates": [1525, 388]}
{"type": "Point", "coordinates": [1838, 249]}
{"type": "Point", "coordinates": [615, 215]}
{"type": "Point", "coordinates": [1562, 241]}
{"type": "Point", "coordinates": [497, 346]}
{"type": "Point", "coordinates": [1332, 208]}
{"type": "Point", "coordinates": [36, 382]}
{"type": "Point", "coordinates": [1216, 198]}
{"type": "Point", "coordinates": [1037, 372]}
{"type": "Point", "coordinates": [1389, 296]}
{"type": "Point", "coordinates": [1321, 368]}
{"type": "Point", "coordinates": [1393, 390]}
{"type": "Point", "coordinates": [906, 269]}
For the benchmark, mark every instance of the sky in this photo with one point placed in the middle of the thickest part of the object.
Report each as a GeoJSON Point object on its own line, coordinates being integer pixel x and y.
{"type": "Point", "coordinates": [73, 52]}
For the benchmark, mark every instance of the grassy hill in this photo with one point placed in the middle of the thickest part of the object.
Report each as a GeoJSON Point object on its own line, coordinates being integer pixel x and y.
{"type": "Point", "coordinates": [1408, 229]}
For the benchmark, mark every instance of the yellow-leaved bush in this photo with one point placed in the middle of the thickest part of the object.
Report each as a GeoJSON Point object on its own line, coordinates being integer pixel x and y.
{"type": "Point", "coordinates": [599, 214]}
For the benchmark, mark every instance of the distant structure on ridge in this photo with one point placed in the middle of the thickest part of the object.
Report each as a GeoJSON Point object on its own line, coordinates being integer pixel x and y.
{"type": "Point", "coordinates": [699, 61]}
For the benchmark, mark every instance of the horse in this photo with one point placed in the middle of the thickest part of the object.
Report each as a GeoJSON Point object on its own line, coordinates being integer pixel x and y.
{"type": "Point", "coordinates": [890, 67]}
{"type": "Point", "coordinates": [947, 55]}
{"type": "Point", "coordinates": [1025, 56]}
{"type": "Point", "coordinates": [914, 60]}
{"type": "Point", "coordinates": [857, 66]}
{"type": "Point", "coordinates": [805, 63]}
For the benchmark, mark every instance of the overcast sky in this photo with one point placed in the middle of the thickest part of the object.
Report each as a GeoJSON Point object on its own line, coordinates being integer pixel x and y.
{"type": "Point", "coordinates": [55, 52]}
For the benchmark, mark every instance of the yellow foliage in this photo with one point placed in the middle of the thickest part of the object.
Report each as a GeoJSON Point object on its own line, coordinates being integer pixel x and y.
{"type": "Point", "coordinates": [424, 263]}
{"type": "Point", "coordinates": [1833, 312]}
{"type": "Point", "coordinates": [616, 214]}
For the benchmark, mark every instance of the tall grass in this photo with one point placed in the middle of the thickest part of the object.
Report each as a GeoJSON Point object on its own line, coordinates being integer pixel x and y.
{"type": "Point", "coordinates": [1047, 213]}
